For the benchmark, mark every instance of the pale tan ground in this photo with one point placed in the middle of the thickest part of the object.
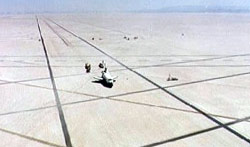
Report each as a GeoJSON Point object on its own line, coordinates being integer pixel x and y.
{"type": "Point", "coordinates": [134, 112]}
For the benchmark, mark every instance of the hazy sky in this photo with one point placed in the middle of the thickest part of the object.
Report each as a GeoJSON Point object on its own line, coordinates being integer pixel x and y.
{"type": "Point", "coordinates": [108, 5]}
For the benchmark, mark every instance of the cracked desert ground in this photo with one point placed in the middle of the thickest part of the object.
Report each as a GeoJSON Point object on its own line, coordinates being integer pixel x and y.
{"type": "Point", "coordinates": [47, 98]}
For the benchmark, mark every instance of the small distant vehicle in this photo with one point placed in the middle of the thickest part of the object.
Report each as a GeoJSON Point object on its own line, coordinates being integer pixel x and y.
{"type": "Point", "coordinates": [102, 64]}
{"type": "Point", "coordinates": [135, 37]}
{"type": "Point", "coordinates": [88, 67]}
{"type": "Point", "coordinates": [106, 78]}
{"type": "Point", "coordinates": [170, 78]}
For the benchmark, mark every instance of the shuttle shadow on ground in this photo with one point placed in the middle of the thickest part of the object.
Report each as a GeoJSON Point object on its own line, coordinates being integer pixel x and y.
{"type": "Point", "coordinates": [105, 84]}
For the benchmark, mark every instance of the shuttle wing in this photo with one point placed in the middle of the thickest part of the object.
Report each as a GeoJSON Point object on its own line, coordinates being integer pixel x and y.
{"type": "Point", "coordinates": [98, 78]}
{"type": "Point", "coordinates": [114, 78]}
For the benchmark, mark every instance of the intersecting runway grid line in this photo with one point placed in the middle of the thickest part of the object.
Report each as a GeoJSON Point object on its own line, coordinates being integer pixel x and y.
{"type": "Point", "coordinates": [58, 103]}
{"type": "Point", "coordinates": [30, 138]}
{"type": "Point", "coordinates": [158, 86]}
{"type": "Point", "coordinates": [112, 98]}
{"type": "Point", "coordinates": [196, 133]}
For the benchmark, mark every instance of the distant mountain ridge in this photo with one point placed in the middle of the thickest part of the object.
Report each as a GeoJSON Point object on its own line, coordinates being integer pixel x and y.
{"type": "Point", "coordinates": [204, 9]}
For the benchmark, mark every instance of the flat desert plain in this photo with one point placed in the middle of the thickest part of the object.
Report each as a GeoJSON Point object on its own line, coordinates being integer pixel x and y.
{"type": "Point", "coordinates": [47, 98]}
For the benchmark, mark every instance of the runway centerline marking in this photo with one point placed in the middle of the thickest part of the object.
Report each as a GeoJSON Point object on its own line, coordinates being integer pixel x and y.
{"type": "Point", "coordinates": [58, 103]}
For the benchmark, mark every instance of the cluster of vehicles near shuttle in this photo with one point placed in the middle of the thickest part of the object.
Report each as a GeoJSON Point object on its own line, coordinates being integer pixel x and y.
{"type": "Point", "coordinates": [105, 77]}
{"type": "Point", "coordinates": [108, 80]}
